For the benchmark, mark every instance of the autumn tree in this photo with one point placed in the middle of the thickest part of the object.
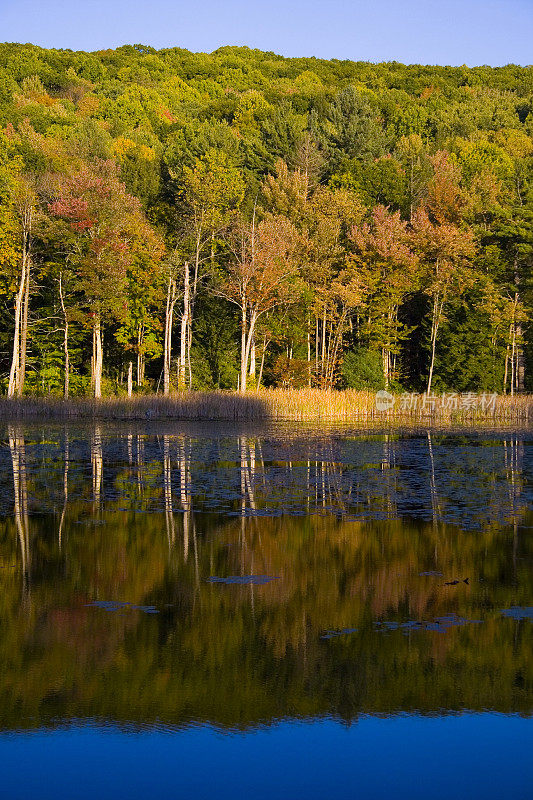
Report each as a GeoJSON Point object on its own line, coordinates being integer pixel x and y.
{"type": "Point", "coordinates": [383, 255]}
{"type": "Point", "coordinates": [140, 323]}
{"type": "Point", "coordinates": [335, 285]}
{"type": "Point", "coordinates": [14, 248]}
{"type": "Point", "coordinates": [111, 233]}
{"type": "Point", "coordinates": [262, 275]}
{"type": "Point", "coordinates": [213, 189]}
{"type": "Point", "coordinates": [445, 251]}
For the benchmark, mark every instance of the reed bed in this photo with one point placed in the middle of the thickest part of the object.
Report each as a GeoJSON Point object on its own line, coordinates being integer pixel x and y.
{"type": "Point", "coordinates": [302, 405]}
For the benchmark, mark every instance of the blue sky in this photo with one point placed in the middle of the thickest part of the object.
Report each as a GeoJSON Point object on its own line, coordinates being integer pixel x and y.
{"type": "Point", "coordinates": [412, 31]}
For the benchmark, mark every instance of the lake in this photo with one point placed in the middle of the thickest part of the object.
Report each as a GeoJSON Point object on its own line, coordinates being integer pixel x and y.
{"type": "Point", "coordinates": [222, 610]}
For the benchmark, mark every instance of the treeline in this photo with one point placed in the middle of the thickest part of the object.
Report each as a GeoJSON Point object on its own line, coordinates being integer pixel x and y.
{"type": "Point", "coordinates": [179, 220]}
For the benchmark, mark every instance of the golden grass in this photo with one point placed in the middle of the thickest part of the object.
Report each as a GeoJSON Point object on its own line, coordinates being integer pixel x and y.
{"type": "Point", "coordinates": [304, 405]}
{"type": "Point", "coordinates": [353, 406]}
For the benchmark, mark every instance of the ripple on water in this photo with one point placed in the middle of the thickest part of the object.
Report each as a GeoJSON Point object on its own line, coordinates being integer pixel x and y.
{"type": "Point", "coordinates": [341, 632]}
{"type": "Point", "coordinates": [116, 605]}
{"type": "Point", "coordinates": [518, 612]}
{"type": "Point", "coordinates": [438, 624]}
{"type": "Point", "coordinates": [244, 580]}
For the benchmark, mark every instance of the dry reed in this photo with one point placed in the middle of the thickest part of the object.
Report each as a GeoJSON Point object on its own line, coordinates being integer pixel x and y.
{"type": "Point", "coordinates": [303, 405]}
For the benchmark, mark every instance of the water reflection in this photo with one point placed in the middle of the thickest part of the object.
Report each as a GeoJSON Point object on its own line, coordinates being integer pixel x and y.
{"type": "Point", "coordinates": [478, 756]}
{"type": "Point", "coordinates": [20, 494]}
{"type": "Point", "coordinates": [278, 576]}
{"type": "Point", "coordinates": [97, 464]}
{"type": "Point", "coordinates": [470, 481]}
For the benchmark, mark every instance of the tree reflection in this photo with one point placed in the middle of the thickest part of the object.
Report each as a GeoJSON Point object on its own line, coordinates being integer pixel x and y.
{"type": "Point", "coordinates": [65, 486]}
{"type": "Point", "coordinates": [20, 489]}
{"type": "Point", "coordinates": [167, 477]}
{"type": "Point", "coordinates": [97, 463]}
{"type": "Point", "coordinates": [237, 654]}
{"type": "Point", "coordinates": [185, 492]}
{"type": "Point", "coordinates": [321, 634]}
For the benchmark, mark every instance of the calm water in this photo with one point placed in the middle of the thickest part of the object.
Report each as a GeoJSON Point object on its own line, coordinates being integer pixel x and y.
{"type": "Point", "coordinates": [202, 611]}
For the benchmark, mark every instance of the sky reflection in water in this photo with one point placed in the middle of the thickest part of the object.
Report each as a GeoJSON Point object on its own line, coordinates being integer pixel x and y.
{"type": "Point", "coordinates": [475, 756]}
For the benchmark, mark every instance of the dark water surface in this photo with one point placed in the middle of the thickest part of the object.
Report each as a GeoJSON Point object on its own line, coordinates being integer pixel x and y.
{"type": "Point", "coordinates": [215, 611]}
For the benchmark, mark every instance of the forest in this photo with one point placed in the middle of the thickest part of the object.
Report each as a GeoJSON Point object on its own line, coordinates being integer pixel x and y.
{"type": "Point", "coordinates": [173, 220]}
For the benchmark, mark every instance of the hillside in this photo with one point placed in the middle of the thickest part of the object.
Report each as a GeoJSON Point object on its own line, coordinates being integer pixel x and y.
{"type": "Point", "coordinates": [226, 219]}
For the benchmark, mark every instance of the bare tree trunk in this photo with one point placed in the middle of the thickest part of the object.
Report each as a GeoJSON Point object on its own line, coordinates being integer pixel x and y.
{"type": "Point", "coordinates": [140, 369]}
{"type": "Point", "coordinates": [130, 379]}
{"type": "Point", "coordinates": [328, 369]}
{"type": "Point", "coordinates": [323, 343]}
{"type": "Point", "coordinates": [24, 330]}
{"type": "Point", "coordinates": [189, 348]}
{"type": "Point", "coordinates": [507, 349]}
{"type": "Point", "coordinates": [97, 359]}
{"type": "Point", "coordinates": [520, 363]}
{"type": "Point", "coordinates": [384, 362]}
{"type": "Point", "coordinates": [317, 340]}
{"type": "Point", "coordinates": [251, 372]}
{"type": "Point", "coordinates": [140, 355]}
{"type": "Point", "coordinates": [65, 337]}
{"type": "Point", "coordinates": [309, 352]}
{"type": "Point", "coordinates": [18, 363]}
{"type": "Point", "coordinates": [506, 371]}
{"type": "Point", "coordinates": [244, 354]}
{"type": "Point", "coordinates": [184, 328]}
{"type": "Point", "coordinates": [434, 330]}
{"type": "Point", "coordinates": [265, 346]}
{"type": "Point", "coordinates": [249, 343]}
{"type": "Point", "coordinates": [191, 300]}
{"type": "Point", "coordinates": [138, 366]}
{"type": "Point", "coordinates": [520, 360]}
{"type": "Point", "coordinates": [167, 351]}
{"type": "Point", "coordinates": [337, 345]}
{"type": "Point", "coordinates": [15, 360]}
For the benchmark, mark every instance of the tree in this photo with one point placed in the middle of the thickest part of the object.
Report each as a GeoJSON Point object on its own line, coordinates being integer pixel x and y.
{"type": "Point", "coordinates": [171, 300]}
{"type": "Point", "coordinates": [445, 200]}
{"type": "Point", "coordinates": [444, 251]}
{"type": "Point", "coordinates": [14, 250]}
{"type": "Point", "coordinates": [388, 266]}
{"type": "Point", "coordinates": [213, 189]}
{"type": "Point", "coordinates": [261, 275]}
{"type": "Point", "coordinates": [140, 324]}
{"type": "Point", "coordinates": [356, 130]}
{"type": "Point", "coordinates": [414, 159]}
{"type": "Point", "coordinates": [335, 285]}
{"type": "Point", "coordinates": [287, 193]}
{"type": "Point", "coordinates": [24, 204]}
{"type": "Point", "coordinates": [111, 232]}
